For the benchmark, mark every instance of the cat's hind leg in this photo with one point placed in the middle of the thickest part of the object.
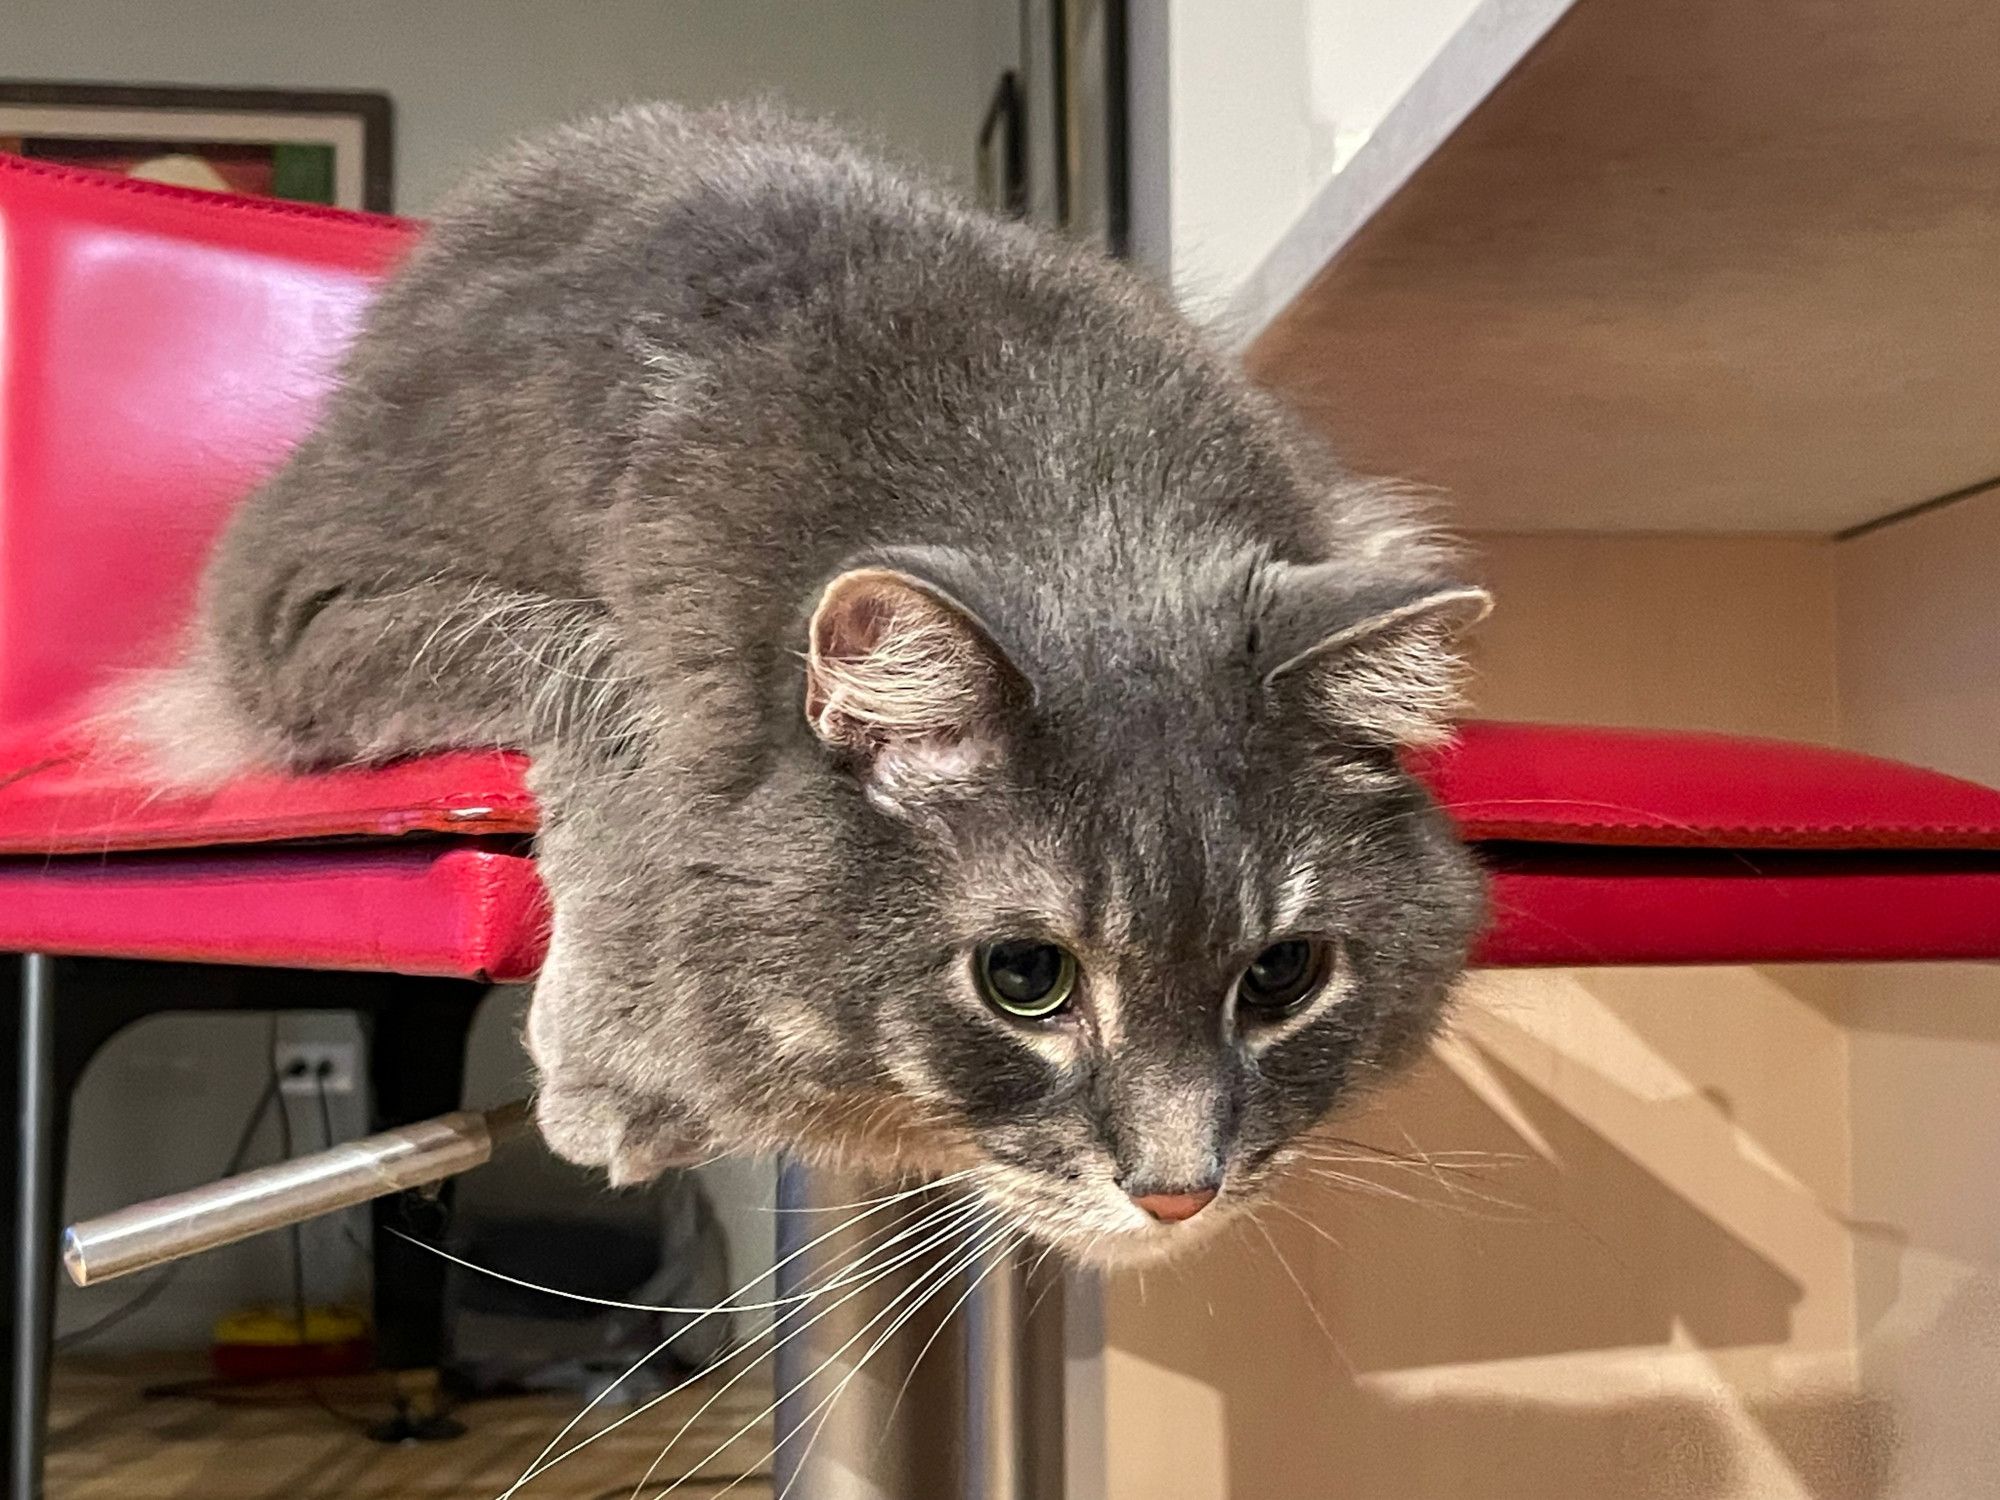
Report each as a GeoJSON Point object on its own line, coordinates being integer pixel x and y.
{"type": "Point", "coordinates": [364, 670]}
{"type": "Point", "coordinates": [318, 666]}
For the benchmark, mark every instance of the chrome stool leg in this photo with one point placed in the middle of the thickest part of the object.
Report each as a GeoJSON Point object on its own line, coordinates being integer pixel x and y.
{"type": "Point", "coordinates": [962, 1402]}
{"type": "Point", "coordinates": [1014, 1382]}
{"type": "Point", "coordinates": [861, 1416]}
{"type": "Point", "coordinates": [35, 1215]}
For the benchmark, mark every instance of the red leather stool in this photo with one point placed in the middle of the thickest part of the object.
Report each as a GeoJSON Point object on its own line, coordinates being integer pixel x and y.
{"type": "Point", "coordinates": [161, 349]}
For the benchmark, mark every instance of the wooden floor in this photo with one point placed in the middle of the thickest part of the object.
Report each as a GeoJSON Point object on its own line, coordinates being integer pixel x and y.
{"type": "Point", "coordinates": [108, 1439]}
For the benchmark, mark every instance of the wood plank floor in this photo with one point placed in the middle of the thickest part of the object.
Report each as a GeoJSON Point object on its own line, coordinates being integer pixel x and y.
{"type": "Point", "coordinates": [108, 1439]}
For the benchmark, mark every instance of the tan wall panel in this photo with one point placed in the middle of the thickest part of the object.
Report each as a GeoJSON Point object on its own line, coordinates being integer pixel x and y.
{"type": "Point", "coordinates": [1920, 679]}
{"type": "Point", "coordinates": [1660, 632]}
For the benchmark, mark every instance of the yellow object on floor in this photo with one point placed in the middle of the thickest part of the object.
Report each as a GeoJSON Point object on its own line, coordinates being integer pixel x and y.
{"type": "Point", "coordinates": [269, 1326]}
{"type": "Point", "coordinates": [270, 1343]}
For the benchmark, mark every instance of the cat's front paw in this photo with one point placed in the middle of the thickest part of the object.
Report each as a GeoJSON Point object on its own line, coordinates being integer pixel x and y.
{"type": "Point", "coordinates": [602, 1127]}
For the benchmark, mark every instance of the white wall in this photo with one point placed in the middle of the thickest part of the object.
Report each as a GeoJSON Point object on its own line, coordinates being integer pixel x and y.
{"type": "Point", "coordinates": [468, 74]}
{"type": "Point", "coordinates": [1268, 99]}
{"type": "Point", "coordinates": [161, 1109]}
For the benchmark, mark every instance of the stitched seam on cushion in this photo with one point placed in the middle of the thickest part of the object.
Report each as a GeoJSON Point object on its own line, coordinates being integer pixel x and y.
{"type": "Point", "coordinates": [510, 812]}
{"type": "Point", "coordinates": [1974, 839]}
{"type": "Point", "coordinates": [1590, 815]}
{"type": "Point", "coordinates": [1723, 830]}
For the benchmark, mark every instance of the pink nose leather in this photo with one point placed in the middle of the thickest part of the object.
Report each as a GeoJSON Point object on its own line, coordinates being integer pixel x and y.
{"type": "Point", "coordinates": [1172, 1208]}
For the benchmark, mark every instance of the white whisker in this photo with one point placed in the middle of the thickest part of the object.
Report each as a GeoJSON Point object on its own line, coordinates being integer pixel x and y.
{"type": "Point", "coordinates": [651, 1307]}
{"type": "Point", "coordinates": [921, 1290]}
{"type": "Point", "coordinates": [543, 1464]}
{"type": "Point", "coordinates": [943, 1323]}
{"type": "Point", "coordinates": [1312, 1307]}
{"type": "Point", "coordinates": [728, 1304]}
{"type": "Point", "coordinates": [922, 1278]}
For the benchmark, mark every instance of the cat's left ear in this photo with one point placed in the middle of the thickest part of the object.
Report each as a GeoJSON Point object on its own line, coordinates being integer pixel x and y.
{"type": "Point", "coordinates": [1379, 657]}
{"type": "Point", "coordinates": [906, 681]}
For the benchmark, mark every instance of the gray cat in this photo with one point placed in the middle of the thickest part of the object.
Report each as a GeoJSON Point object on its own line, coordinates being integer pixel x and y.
{"type": "Point", "coordinates": [966, 715]}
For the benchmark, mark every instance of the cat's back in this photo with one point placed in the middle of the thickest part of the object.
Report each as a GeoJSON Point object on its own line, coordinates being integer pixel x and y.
{"type": "Point", "coordinates": [778, 346]}
{"type": "Point", "coordinates": [690, 362]}
{"type": "Point", "coordinates": [653, 222]}
{"type": "Point", "coordinates": [493, 395]}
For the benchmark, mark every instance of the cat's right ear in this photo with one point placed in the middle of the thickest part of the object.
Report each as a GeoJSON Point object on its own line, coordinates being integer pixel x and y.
{"type": "Point", "coordinates": [905, 682]}
{"type": "Point", "coordinates": [1379, 657]}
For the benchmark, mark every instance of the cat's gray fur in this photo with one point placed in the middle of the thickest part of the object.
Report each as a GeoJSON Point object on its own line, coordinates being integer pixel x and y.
{"type": "Point", "coordinates": [649, 386]}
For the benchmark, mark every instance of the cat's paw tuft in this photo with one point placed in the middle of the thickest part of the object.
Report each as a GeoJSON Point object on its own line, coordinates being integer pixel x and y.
{"type": "Point", "coordinates": [600, 1127]}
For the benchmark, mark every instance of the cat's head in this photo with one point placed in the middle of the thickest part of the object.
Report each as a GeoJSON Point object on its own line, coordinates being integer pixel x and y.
{"type": "Point", "coordinates": [1151, 891]}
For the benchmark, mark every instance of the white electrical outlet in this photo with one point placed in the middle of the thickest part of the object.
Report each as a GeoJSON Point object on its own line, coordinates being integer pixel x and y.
{"type": "Point", "coordinates": [303, 1067]}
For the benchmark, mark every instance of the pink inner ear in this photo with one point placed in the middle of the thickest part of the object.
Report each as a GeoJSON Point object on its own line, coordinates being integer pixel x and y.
{"type": "Point", "coordinates": [849, 627]}
{"type": "Point", "coordinates": [891, 664]}
{"type": "Point", "coordinates": [853, 626]}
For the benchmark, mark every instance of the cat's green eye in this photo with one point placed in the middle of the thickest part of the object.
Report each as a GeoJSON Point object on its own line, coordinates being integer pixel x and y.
{"type": "Point", "coordinates": [1025, 978]}
{"type": "Point", "coordinates": [1284, 976]}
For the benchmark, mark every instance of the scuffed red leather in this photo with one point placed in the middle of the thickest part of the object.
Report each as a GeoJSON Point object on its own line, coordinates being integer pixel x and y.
{"type": "Point", "coordinates": [68, 804]}
{"type": "Point", "coordinates": [161, 349]}
{"type": "Point", "coordinates": [413, 908]}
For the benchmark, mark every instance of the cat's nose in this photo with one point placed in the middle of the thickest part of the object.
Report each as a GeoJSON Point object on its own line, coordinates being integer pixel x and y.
{"type": "Point", "coordinates": [1173, 1208]}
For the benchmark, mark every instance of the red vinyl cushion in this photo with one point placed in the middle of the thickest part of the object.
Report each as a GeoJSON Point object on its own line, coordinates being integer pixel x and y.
{"type": "Point", "coordinates": [1907, 868]}
{"type": "Point", "coordinates": [1553, 785]}
{"type": "Point", "coordinates": [480, 912]}
{"type": "Point", "coordinates": [1553, 910]}
{"type": "Point", "coordinates": [1549, 783]}
{"type": "Point", "coordinates": [161, 349]}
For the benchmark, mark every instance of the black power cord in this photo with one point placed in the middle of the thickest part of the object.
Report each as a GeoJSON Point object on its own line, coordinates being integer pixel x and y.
{"type": "Point", "coordinates": [296, 1232]}
{"type": "Point", "coordinates": [219, 1390]}
{"type": "Point", "coordinates": [403, 1425]}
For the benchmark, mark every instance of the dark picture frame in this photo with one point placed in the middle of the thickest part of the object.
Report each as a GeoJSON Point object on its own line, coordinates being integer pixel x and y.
{"type": "Point", "coordinates": [328, 146]}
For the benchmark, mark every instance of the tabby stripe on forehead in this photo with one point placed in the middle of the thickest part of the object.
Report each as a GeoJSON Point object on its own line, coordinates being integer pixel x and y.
{"type": "Point", "coordinates": [1296, 896]}
{"type": "Point", "coordinates": [1108, 908]}
{"type": "Point", "coordinates": [1101, 988]}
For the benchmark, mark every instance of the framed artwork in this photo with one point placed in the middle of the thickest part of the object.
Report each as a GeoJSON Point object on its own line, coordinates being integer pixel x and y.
{"type": "Point", "coordinates": [331, 148]}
